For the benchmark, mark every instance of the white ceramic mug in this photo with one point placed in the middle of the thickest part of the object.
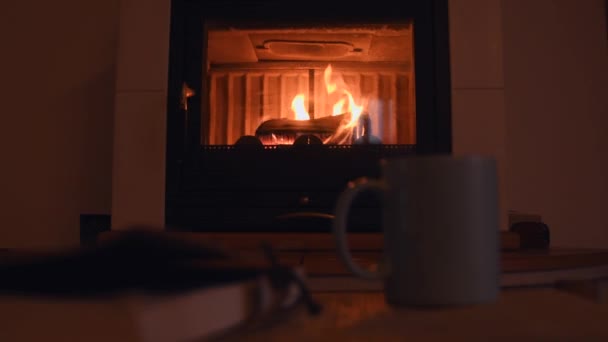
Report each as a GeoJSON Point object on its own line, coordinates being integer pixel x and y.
{"type": "Point", "coordinates": [440, 223]}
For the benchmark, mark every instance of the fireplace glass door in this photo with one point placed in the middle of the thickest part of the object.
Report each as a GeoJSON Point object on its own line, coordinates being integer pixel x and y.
{"type": "Point", "coordinates": [329, 85]}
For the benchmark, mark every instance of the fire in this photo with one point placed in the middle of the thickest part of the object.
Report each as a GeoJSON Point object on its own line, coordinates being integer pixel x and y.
{"type": "Point", "coordinates": [346, 104]}
{"type": "Point", "coordinates": [299, 108]}
{"type": "Point", "coordinates": [330, 85]}
{"type": "Point", "coordinates": [337, 109]}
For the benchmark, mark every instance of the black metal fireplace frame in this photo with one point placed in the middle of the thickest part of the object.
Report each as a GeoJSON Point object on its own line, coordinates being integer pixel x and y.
{"type": "Point", "coordinates": [194, 186]}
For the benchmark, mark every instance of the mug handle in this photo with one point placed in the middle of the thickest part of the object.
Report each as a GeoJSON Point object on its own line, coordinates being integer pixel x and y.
{"type": "Point", "coordinates": [345, 199]}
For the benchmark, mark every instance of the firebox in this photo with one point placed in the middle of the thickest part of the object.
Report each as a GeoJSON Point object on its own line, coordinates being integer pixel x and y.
{"type": "Point", "coordinates": [274, 106]}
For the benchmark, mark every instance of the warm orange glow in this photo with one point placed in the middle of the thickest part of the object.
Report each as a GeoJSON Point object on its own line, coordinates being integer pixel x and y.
{"type": "Point", "coordinates": [329, 84]}
{"type": "Point", "coordinates": [298, 105]}
{"type": "Point", "coordinates": [346, 104]}
{"type": "Point", "coordinates": [274, 139]}
{"type": "Point", "coordinates": [338, 107]}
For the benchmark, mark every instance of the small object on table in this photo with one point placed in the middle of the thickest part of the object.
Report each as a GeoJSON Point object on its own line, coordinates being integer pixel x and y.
{"type": "Point", "coordinates": [532, 235]}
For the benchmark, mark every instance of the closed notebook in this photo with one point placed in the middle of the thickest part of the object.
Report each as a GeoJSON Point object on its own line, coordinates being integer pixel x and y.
{"type": "Point", "coordinates": [142, 287]}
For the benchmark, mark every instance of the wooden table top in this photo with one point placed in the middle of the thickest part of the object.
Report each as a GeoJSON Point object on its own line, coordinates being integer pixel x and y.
{"type": "Point", "coordinates": [518, 315]}
{"type": "Point", "coordinates": [316, 251]}
{"type": "Point", "coordinates": [519, 268]}
{"type": "Point", "coordinates": [328, 263]}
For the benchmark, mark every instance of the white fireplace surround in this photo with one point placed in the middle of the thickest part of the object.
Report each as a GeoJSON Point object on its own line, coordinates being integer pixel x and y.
{"type": "Point", "coordinates": [140, 108]}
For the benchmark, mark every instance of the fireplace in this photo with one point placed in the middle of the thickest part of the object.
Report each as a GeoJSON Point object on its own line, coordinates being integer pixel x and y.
{"type": "Point", "coordinates": [273, 107]}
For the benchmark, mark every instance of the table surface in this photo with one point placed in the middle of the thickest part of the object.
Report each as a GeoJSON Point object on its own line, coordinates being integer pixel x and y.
{"type": "Point", "coordinates": [517, 315]}
{"type": "Point", "coordinates": [328, 263]}
{"type": "Point", "coordinates": [577, 312]}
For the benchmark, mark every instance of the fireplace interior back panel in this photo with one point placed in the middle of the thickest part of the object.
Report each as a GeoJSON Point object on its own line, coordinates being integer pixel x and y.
{"type": "Point", "coordinates": [238, 106]}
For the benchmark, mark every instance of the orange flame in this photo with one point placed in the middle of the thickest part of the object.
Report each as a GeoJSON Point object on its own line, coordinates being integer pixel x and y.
{"type": "Point", "coordinates": [346, 104]}
{"type": "Point", "coordinates": [338, 107]}
{"type": "Point", "coordinates": [299, 108]}
{"type": "Point", "coordinates": [329, 84]}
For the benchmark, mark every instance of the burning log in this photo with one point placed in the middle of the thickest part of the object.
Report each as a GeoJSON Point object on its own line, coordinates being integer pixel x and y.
{"type": "Point", "coordinates": [329, 129]}
{"type": "Point", "coordinates": [288, 131]}
{"type": "Point", "coordinates": [324, 125]}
